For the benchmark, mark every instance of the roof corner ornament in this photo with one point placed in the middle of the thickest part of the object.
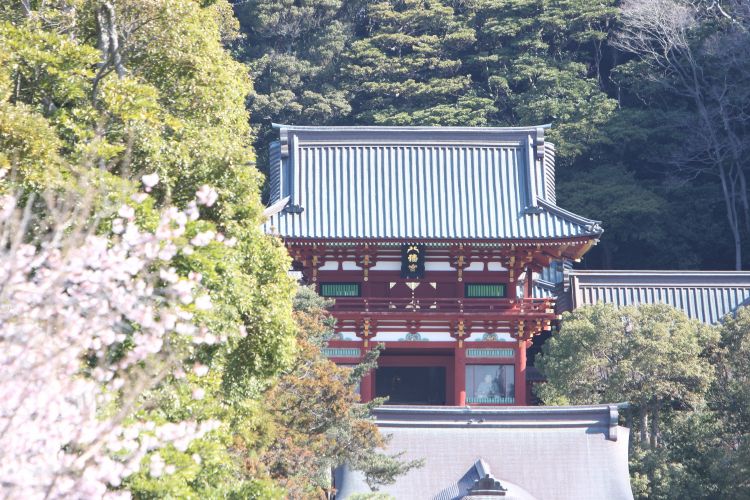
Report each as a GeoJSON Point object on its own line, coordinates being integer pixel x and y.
{"type": "Point", "coordinates": [533, 209]}
{"type": "Point", "coordinates": [486, 486]}
{"type": "Point", "coordinates": [539, 143]}
{"type": "Point", "coordinates": [614, 418]}
{"type": "Point", "coordinates": [284, 141]}
{"type": "Point", "coordinates": [294, 209]}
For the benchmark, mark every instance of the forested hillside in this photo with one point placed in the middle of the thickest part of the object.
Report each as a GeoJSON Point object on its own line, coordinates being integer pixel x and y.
{"type": "Point", "coordinates": [647, 99]}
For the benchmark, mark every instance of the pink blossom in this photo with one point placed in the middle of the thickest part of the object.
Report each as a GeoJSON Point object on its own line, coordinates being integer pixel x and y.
{"type": "Point", "coordinates": [117, 226]}
{"type": "Point", "coordinates": [192, 210]}
{"type": "Point", "coordinates": [68, 294]}
{"type": "Point", "coordinates": [156, 467]}
{"type": "Point", "coordinates": [200, 369]}
{"type": "Point", "coordinates": [126, 212]}
{"type": "Point", "coordinates": [150, 180]}
{"type": "Point", "coordinates": [203, 303]}
{"type": "Point", "coordinates": [203, 239]}
{"type": "Point", "coordinates": [206, 195]}
{"type": "Point", "coordinates": [7, 206]}
{"type": "Point", "coordinates": [139, 197]}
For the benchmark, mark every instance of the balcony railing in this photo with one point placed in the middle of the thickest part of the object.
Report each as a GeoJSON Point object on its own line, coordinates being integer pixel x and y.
{"type": "Point", "coordinates": [426, 306]}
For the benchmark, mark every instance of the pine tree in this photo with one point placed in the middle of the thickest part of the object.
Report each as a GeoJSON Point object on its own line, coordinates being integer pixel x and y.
{"type": "Point", "coordinates": [293, 49]}
{"type": "Point", "coordinates": [541, 60]}
{"type": "Point", "coordinates": [405, 68]}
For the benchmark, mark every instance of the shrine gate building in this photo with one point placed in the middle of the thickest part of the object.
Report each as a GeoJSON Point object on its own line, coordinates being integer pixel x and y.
{"type": "Point", "coordinates": [432, 241]}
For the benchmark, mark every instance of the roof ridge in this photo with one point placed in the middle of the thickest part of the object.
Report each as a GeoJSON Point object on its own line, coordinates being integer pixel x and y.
{"type": "Point", "coordinates": [416, 128]}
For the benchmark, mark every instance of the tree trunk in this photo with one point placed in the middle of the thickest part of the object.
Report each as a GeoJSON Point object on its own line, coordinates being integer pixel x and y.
{"type": "Point", "coordinates": [643, 414]}
{"type": "Point", "coordinates": [26, 6]}
{"type": "Point", "coordinates": [109, 45]}
{"type": "Point", "coordinates": [655, 424]}
{"type": "Point", "coordinates": [732, 218]}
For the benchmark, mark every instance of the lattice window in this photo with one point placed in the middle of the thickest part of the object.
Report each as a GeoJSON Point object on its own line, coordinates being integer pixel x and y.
{"type": "Point", "coordinates": [485, 290]}
{"type": "Point", "coordinates": [339, 289]}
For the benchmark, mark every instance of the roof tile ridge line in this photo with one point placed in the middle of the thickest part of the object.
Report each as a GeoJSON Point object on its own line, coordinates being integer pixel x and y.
{"type": "Point", "coordinates": [468, 409]}
{"type": "Point", "coordinates": [685, 272]}
{"type": "Point", "coordinates": [395, 128]}
{"type": "Point", "coordinates": [564, 213]}
{"type": "Point", "coordinates": [531, 187]}
{"type": "Point", "coordinates": [277, 207]}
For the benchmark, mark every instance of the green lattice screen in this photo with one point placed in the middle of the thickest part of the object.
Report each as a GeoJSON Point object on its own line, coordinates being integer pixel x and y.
{"type": "Point", "coordinates": [339, 289]}
{"type": "Point", "coordinates": [485, 290]}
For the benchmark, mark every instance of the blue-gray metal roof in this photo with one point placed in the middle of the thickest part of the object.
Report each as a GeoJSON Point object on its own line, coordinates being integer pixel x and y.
{"type": "Point", "coordinates": [417, 183]}
{"type": "Point", "coordinates": [538, 452]}
{"type": "Point", "coordinates": [707, 296]}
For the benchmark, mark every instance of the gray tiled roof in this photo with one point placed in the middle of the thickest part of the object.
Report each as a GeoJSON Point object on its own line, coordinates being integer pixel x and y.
{"type": "Point", "coordinates": [542, 453]}
{"type": "Point", "coordinates": [707, 296]}
{"type": "Point", "coordinates": [417, 183]}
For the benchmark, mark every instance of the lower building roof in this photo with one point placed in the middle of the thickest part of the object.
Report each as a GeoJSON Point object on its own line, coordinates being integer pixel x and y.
{"type": "Point", "coordinates": [533, 452]}
{"type": "Point", "coordinates": [707, 296]}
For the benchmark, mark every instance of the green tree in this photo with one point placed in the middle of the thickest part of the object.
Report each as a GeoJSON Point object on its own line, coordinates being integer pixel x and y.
{"type": "Point", "coordinates": [542, 62]}
{"type": "Point", "coordinates": [652, 356]}
{"type": "Point", "coordinates": [659, 361]}
{"type": "Point", "coordinates": [694, 56]}
{"type": "Point", "coordinates": [294, 51]}
{"type": "Point", "coordinates": [138, 87]}
{"type": "Point", "coordinates": [730, 398]}
{"type": "Point", "coordinates": [97, 94]}
{"type": "Point", "coordinates": [631, 213]}
{"type": "Point", "coordinates": [405, 67]}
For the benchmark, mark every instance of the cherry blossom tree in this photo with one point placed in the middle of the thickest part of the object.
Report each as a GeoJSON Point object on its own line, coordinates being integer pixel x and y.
{"type": "Point", "coordinates": [88, 323]}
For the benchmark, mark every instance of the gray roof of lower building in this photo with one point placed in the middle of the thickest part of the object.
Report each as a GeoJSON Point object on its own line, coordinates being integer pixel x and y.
{"type": "Point", "coordinates": [707, 296]}
{"type": "Point", "coordinates": [542, 453]}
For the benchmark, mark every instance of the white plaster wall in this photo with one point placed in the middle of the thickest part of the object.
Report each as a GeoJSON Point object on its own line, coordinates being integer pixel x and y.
{"type": "Point", "coordinates": [395, 336]}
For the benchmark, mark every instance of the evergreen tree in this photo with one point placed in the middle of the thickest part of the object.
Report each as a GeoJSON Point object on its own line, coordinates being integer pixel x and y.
{"type": "Point", "coordinates": [405, 67]}
{"type": "Point", "coordinates": [294, 50]}
{"type": "Point", "coordinates": [659, 361]}
{"type": "Point", "coordinates": [543, 62]}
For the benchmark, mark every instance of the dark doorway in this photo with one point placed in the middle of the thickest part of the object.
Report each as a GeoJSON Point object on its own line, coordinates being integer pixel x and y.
{"type": "Point", "coordinates": [411, 385]}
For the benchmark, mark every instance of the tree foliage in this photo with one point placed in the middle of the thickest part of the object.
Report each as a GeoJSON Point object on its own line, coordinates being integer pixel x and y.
{"type": "Point", "coordinates": [406, 67]}
{"type": "Point", "coordinates": [687, 385]}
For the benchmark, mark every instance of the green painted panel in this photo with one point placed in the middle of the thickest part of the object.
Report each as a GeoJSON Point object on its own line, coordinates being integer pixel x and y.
{"type": "Point", "coordinates": [496, 400]}
{"type": "Point", "coordinates": [341, 352]}
{"type": "Point", "coordinates": [489, 353]}
{"type": "Point", "coordinates": [485, 290]}
{"type": "Point", "coordinates": [339, 289]}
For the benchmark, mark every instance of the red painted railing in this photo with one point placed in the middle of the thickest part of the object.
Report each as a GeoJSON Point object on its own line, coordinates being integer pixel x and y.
{"type": "Point", "coordinates": [426, 306]}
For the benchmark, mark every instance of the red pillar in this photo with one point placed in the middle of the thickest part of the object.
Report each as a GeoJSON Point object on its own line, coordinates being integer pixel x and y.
{"type": "Point", "coordinates": [367, 384]}
{"type": "Point", "coordinates": [366, 387]}
{"type": "Point", "coordinates": [459, 371]}
{"type": "Point", "coordinates": [529, 284]}
{"type": "Point", "coordinates": [520, 375]}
